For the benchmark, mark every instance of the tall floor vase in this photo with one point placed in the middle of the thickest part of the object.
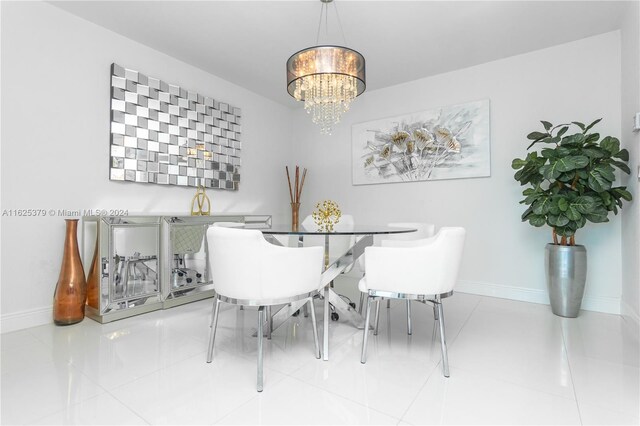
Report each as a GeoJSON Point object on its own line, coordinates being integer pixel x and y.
{"type": "Point", "coordinates": [71, 289]}
{"type": "Point", "coordinates": [93, 279]}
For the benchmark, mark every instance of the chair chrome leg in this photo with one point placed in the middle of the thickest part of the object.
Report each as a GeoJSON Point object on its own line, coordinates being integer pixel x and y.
{"type": "Point", "coordinates": [361, 304]}
{"type": "Point", "coordinates": [305, 311]}
{"type": "Point", "coordinates": [214, 325]}
{"type": "Point", "coordinates": [435, 312]}
{"type": "Point", "coordinates": [388, 303]}
{"type": "Point", "coordinates": [325, 331]}
{"type": "Point", "coordinates": [443, 343]}
{"type": "Point", "coordinates": [269, 321]}
{"type": "Point", "coordinates": [409, 331]}
{"type": "Point", "coordinates": [377, 318]}
{"type": "Point", "coordinates": [365, 335]}
{"type": "Point", "coordinates": [260, 354]}
{"type": "Point", "coordinates": [312, 308]}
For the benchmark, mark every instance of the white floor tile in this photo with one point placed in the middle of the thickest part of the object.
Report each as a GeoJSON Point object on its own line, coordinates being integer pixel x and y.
{"type": "Point", "coordinates": [525, 349]}
{"type": "Point", "coordinates": [593, 415]}
{"type": "Point", "coordinates": [293, 402]}
{"type": "Point", "coordinates": [194, 392]}
{"type": "Point", "coordinates": [103, 409]}
{"type": "Point", "coordinates": [15, 339]}
{"type": "Point", "coordinates": [117, 353]}
{"type": "Point", "coordinates": [470, 398]}
{"type": "Point", "coordinates": [602, 336]}
{"type": "Point", "coordinates": [605, 384]}
{"type": "Point", "coordinates": [30, 394]}
{"type": "Point", "coordinates": [387, 382]}
{"type": "Point", "coordinates": [26, 354]}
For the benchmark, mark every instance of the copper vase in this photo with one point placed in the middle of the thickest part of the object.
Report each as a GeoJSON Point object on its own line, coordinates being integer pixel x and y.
{"type": "Point", "coordinates": [93, 279]}
{"type": "Point", "coordinates": [295, 216]}
{"type": "Point", "coordinates": [71, 289]}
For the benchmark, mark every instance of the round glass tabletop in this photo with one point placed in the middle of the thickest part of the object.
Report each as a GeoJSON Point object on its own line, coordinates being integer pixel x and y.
{"type": "Point", "coordinates": [281, 229]}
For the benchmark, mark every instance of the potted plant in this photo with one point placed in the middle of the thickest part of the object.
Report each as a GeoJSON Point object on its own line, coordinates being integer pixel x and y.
{"type": "Point", "coordinates": [569, 183]}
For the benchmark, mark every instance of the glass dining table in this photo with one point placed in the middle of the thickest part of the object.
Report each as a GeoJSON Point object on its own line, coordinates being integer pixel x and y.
{"type": "Point", "coordinates": [362, 237]}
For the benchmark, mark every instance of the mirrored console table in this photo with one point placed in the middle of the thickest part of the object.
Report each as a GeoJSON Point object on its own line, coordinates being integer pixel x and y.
{"type": "Point", "coordinates": [145, 263]}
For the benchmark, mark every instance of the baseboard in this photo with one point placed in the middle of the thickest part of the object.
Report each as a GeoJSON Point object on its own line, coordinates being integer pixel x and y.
{"type": "Point", "coordinates": [609, 305]}
{"type": "Point", "coordinates": [25, 319]}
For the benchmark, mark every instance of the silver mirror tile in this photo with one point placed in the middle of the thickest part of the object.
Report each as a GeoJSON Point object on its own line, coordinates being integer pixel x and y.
{"type": "Point", "coordinates": [164, 134]}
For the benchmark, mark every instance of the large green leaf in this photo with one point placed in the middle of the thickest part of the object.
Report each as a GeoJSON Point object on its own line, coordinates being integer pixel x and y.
{"type": "Point", "coordinates": [595, 152]}
{"type": "Point", "coordinates": [591, 138]}
{"type": "Point", "coordinates": [623, 154]}
{"type": "Point", "coordinates": [621, 192]}
{"type": "Point", "coordinates": [592, 124]}
{"type": "Point", "coordinates": [541, 206]}
{"type": "Point", "coordinates": [562, 131]}
{"type": "Point", "coordinates": [606, 198]}
{"type": "Point", "coordinates": [575, 140]}
{"type": "Point", "coordinates": [606, 171]}
{"type": "Point", "coordinates": [597, 218]}
{"type": "Point", "coordinates": [528, 212]}
{"type": "Point", "coordinates": [518, 163]}
{"type": "Point", "coordinates": [622, 166]}
{"type": "Point", "coordinates": [611, 144]}
{"type": "Point", "coordinates": [546, 125]}
{"type": "Point", "coordinates": [563, 204]}
{"type": "Point", "coordinates": [537, 221]}
{"type": "Point", "coordinates": [550, 171]}
{"type": "Point", "coordinates": [567, 177]}
{"type": "Point", "coordinates": [534, 136]}
{"type": "Point", "coordinates": [584, 204]}
{"type": "Point", "coordinates": [597, 182]}
{"type": "Point", "coordinates": [572, 213]}
{"type": "Point", "coordinates": [573, 162]}
{"type": "Point", "coordinates": [579, 124]}
{"type": "Point", "coordinates": [557, 220]}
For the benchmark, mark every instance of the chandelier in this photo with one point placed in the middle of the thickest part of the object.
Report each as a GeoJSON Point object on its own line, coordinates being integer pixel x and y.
{"type": "Point", "coordinates": [326, 78]}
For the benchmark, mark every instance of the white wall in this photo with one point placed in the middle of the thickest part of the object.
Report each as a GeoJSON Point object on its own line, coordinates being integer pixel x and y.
{"type": "Point", "coordinates": [578, 81]}
{"type": "Point", "coordinates": [630, 44]}
{"type": "Point", "coordinates": [55, 144]}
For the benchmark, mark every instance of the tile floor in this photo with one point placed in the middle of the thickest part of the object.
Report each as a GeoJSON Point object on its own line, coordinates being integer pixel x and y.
{"type": "Point", "coordinates": [511, 363]}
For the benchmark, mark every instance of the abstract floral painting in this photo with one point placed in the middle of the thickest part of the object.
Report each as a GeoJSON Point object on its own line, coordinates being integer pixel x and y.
{"type": "Point", "coordinates": [444, 143]}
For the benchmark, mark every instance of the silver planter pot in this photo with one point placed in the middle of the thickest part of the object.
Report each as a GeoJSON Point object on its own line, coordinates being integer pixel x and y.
{"type": "Point", "coordinates": [566, 268]}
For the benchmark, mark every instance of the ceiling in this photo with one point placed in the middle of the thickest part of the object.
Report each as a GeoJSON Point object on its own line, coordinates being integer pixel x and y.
{"type": "Point", "coordinates": [248, 42]}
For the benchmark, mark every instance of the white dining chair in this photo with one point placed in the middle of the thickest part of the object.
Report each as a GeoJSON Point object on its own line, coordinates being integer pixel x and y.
{"type": "Point", "coordinates": [424, 270]}
{"type": "Point", "coordinates": [249, 271]}
{"type": "Point", "coordinates": [423, 230]}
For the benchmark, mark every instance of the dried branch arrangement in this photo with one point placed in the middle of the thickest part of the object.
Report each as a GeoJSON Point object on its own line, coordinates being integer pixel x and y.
{"type": "Point", "coordinates": [295, 190]}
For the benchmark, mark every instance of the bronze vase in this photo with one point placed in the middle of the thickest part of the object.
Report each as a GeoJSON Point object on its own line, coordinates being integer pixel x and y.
{"type": "Point", "coordinates": [93, 279]}
{"type": "Point", "coordinates": [71, 289]}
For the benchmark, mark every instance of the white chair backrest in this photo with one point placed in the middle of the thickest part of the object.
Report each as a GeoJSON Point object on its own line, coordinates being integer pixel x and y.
{"type": "Point", "coordinates": [338, 244]}
{"type": "Point", "coordinates": [426, 266]}
{"type": "Point", "coordinates": [245, 266]}
{"type": "Point", "coordinates": [424, 230]}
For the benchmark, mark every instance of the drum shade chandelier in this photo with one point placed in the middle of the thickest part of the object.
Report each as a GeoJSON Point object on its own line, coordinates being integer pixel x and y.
{"type": "Point", "coordinates": [326, 78]}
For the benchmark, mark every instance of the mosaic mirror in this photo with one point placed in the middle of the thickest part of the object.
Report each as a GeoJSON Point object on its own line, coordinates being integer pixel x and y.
{"type": "Point", "coordinates": [164, 134]}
